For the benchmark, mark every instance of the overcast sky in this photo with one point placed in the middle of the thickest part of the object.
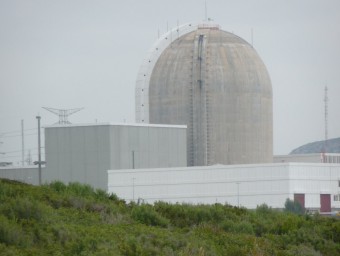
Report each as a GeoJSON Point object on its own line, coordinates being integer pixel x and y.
{"type": "Point", "coordinates": [87, 53]}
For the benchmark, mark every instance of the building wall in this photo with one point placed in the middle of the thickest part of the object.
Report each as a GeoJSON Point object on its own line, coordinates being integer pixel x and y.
{"type": "Point", "coordinates": [147, 146]}
{"type": "Point", "coordinates": [244, 185]}
{"type": "Point", "coordinates": [26, 174]}
{"type": "Point", "coordinates": [308, 158]}
{"type": "Point", "coordinates": [77, 153]}
{"type": "Point", "coordinates": [84, 153]}
{"type": "Point", "coordinates": [215, 83]}
{"type": "Point", "coordinates": [314, 180]}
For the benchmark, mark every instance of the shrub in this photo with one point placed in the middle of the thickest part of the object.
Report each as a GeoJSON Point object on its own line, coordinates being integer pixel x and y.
{"type": "Point", "coordinates": [58, 186]}
{"type": "Point", "coordinates": [147, 215]}
{"type": "Point", "coordinates": [24, 208]}
{"type": "Point", "coordinates": [302, 250]}
{"type": "Point", "coordinates": [263, 209]}
{"type": "Point", "coordinates": [241, 227]}
{"type": "Point", "coordinates": [293, 207]}
{"type": "Point", "coordinates": [78, 189]}
{"type": "Point", "coordinates": [12, 234]}
{"type": "Point", "coordinates": [101, 195]}
{"type": "Point", "coordinates": [5, 191]}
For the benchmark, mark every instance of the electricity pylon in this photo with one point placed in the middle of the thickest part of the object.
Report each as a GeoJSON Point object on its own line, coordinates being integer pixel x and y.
{"type": "Point", "coordinates": [63, 113]}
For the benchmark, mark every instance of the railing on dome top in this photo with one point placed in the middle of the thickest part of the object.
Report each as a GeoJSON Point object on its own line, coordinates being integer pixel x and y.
{"type": "Point", "coordinates": [143, 77]}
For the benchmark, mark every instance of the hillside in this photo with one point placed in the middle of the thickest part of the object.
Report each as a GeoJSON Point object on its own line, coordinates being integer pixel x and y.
{"type": "Point", "coordinates": [333, 146]}
{"type": "Point", "coordinates": [74, 219]}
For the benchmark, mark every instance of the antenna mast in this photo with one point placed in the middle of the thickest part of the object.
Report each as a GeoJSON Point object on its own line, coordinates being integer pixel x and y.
{"type": "Point", "coordinates": [63, 113]}
{"type": "Point", "coordinates": [326, 117]}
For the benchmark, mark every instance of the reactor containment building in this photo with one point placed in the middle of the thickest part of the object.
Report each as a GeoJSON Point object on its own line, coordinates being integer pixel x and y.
{"type": "Point", "coordinates": [215, 83]}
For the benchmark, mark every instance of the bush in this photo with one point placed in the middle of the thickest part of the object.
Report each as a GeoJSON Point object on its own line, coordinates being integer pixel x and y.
{"type": "Point", "coordinates": [302, 250]}
{"type": "Point", "coordinates": [263, 209]}
{"type": "Point", "coordinates": [293, 207]}
{"type": "Point", "coordinates": [78, 225]}
{"type": "Point", "coordinates": [24, 209]}
{"type": "Point", "coordinates": [242, 227]}
{"type": "Point", "coordinates": [11, 233]}
{"type": "Point", "coordinates": [145, 214]}
{"type": "Point", "coordinates": [78, 189]}
{"type": "Point", "coordinates": [58, 186]}
{"type": "Point", "coordinates": [5, 191]}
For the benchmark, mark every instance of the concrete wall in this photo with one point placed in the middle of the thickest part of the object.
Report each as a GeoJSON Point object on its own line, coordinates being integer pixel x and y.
{"type": "Point", "coordinates": [84, 153]}
{"type": "Point", "coordinates": [244, 185]}
{"type": "Point", "coordinates": [24, 174]}
{"type": "Point", "coordinates": [215, 83]}
{"type": "Point", "coordinates": [308, 158]}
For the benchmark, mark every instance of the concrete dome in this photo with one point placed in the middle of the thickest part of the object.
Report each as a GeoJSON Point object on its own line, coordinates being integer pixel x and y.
{"type": "Point", "coordinates": [215, 83]}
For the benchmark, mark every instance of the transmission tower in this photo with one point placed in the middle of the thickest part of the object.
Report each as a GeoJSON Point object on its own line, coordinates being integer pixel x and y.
{"type": "Point", "coordinates": [326, 117]}
{"type": "Point", "coordinates": [63, 113]}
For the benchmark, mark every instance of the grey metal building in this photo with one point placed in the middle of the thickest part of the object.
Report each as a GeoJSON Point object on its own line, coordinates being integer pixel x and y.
{"type": "Point", "coordinates": [84, 153]}
{"type": "Point", "coordinates": [215, 83]}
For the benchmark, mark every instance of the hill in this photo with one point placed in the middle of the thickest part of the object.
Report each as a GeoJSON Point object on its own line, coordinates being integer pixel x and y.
{"type": "Point", "coordinates": [333, 146]}
{"type": "Point", "coordinates": [74, 219]}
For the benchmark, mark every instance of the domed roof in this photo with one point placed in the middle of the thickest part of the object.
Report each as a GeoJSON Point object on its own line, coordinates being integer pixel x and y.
{"type": "Point", "coordinates": [214, 82]}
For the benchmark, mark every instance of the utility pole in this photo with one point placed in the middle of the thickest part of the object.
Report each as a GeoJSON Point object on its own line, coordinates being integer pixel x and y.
{"type": "Point", "coordinates": [133, 159]}
{"type": "Point", "coordinates": [133, 189]}
{"type": "Point", "coordinates": [326, 118]}
{"type": "Point", "coordinates": [22, 143]}
{"type": "Point", "coordinates": [39, 149]}
{"type": "Point", "coordinates": [238, 194]}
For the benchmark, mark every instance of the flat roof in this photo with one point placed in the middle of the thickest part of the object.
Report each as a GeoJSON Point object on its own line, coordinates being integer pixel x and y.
{"type": "Point", "coordinates": [308, 155]}
{"type": "Point", "coordinates": [116, 124]}
{"type": "Point", "coordinates": [219, 166]}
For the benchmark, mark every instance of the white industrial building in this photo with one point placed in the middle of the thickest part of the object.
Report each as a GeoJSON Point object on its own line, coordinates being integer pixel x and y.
{"type": "Point", "coordinates": [148, 162]}
{"type": "Point", "coordinates": [84, 153]}
{"type": "Point", "coordinates": [309, 158]}
{"type": "Point", "coordinates": [315, 186]}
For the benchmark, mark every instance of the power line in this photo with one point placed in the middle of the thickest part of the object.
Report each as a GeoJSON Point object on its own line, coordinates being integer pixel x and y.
{"type": "Point", "coordinates": [18, 156]}
{"type": "Point", "coordinates": [15, 151]}
{"type": "Point", "coordinates": [19, 135]}
{"type": "Point", "coordinates": [18, 131]}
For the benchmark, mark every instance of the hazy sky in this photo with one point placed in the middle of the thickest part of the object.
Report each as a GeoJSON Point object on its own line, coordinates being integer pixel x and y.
{"type": "Point", "coordinates": [87, 53]}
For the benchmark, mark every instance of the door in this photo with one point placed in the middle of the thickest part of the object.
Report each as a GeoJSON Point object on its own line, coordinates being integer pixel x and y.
{"type": "Point", "coordinates": [325, 201]}
{"type": "Point", "coordinates": [300, 198]}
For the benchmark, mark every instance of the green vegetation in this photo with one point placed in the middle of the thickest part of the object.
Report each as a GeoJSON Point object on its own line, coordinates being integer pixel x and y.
{"type": "Point", "coordinates": [75, 219]}
{"type": "Point", "coordinates": [294, 207]}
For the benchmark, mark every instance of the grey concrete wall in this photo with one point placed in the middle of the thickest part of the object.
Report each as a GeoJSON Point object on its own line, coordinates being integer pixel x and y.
{"type": "Point", "coordinates": [84, 153]}
{"type": "Point", "coordinates": [28, 175]}
{"type": "Point", "coordinates": [215, 83]}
